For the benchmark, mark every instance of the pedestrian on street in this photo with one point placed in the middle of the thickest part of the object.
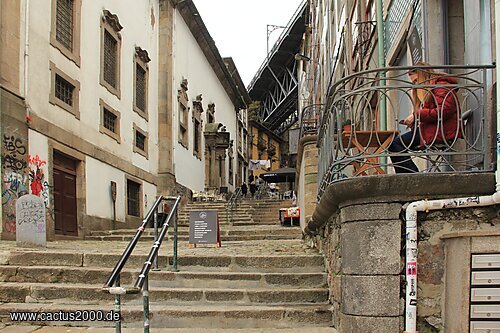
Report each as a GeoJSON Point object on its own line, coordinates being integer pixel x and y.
{"type": "Point", "coordinates": [244, 189]}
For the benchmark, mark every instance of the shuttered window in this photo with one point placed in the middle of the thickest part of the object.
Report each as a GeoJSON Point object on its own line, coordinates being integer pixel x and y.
{"type": "Point", "coordinates": [109, 120]}
{"type": "Point", "coordinates": [140, 87]}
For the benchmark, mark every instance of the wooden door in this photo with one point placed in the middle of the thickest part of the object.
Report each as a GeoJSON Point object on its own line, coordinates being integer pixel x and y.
{"type": "Point", "coordinates": [65, 195]}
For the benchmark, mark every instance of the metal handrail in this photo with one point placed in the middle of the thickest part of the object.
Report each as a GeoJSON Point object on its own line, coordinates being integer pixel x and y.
{"type": "Point", "coordinates": [112, 285]}
{"type": "Point", "coordinates": [232, 203]}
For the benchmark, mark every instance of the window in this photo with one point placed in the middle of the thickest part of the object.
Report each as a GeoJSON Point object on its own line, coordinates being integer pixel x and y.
{"type": "Point", "coordinates": [110, 121]}
{"type": "Point", "coordinates": [110, 52]}
{"type": "Point", "coordinates": [65, 30]}
{"type": "Point", "coordinates": [141, 60]}
{"type": "Point", "coordinates": [64, 91]}
{"type": "Point", "coordinates": [133, 198]}
{"type": "Point", "coordinates": [183, 113]}
{"type": "Point", "coordinates": [140, 141]}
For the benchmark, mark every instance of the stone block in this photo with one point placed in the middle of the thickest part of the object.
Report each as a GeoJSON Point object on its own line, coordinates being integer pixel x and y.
{"type": "Point", "coordinates": [371, 247]}
{"type": "Point", "coordinates": [370, 212]}
{"type": "Point", "coordinates": [370, 296]}
{"type": "Point", "coordinates": [350, 324]}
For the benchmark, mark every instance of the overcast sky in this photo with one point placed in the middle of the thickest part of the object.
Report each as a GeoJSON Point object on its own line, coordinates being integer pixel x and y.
{"type": "Point", "coordinates": [239, 28]}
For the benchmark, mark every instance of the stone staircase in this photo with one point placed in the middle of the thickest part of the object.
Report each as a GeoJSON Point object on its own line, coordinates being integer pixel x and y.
{"type": "Point", "coordinates": [254, 281]}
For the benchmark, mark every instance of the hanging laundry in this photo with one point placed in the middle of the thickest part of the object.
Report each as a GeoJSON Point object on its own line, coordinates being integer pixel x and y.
{"type": "Point", "coordinates": [254, 165]}
{"type": "Point", "coordinates": [267, 165]}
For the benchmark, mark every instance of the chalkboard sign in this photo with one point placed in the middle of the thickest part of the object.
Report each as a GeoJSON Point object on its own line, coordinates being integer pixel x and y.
{"type": "Point", "coordinates": [204, 227]}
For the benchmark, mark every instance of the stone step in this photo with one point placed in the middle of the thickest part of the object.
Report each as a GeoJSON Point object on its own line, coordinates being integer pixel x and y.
{"type": "Point", "coordinates": [163, 278]}
{"type": "Point", "coordinates": [50, 292]}
{"type": "Point", "coordinates": [181, 237]}
{"type": "Point", "coordinates": [225, 229]}
{"type": "Point", "coordinates": [205, 316]}
{"type": "Point", "coordinates": [67, 329]}
{"type": "Point", "coordinates": [271, 263]}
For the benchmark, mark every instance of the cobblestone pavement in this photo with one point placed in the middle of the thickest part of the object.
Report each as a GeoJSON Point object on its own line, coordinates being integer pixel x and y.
{"type": "Point", "coordinates": [230, 248]}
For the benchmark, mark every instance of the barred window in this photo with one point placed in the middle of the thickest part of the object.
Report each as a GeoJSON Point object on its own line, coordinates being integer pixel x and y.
{"type": "Point", "coordinates": [64, 23]}
{"type": "Point", "coordinates": [140, 87]}
{"type": "Point", "coordinates": [110, 120]}
{"type": "Point", "coordinates": [133, 198]}
{"type": "Point", "coordinates": [140, 140]}
{"type": "Point", "coordinates": [64, 90]}
{"type": "Point", "coordinates": [110, 61]}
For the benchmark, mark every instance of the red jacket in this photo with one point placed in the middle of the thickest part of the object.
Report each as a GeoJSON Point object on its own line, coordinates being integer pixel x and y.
{"type": "Point", "coordinates": [439, 117]}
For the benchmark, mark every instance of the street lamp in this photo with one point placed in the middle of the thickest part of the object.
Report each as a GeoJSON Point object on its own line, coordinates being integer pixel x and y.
{"type": "Point", "coordinates": [270, 29]}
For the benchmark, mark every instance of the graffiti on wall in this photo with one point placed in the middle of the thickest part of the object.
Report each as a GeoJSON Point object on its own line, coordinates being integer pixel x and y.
{"type": "Point", "coordinates": [38, 184]}
{"type": "Point", "coordinates": [14, 152]}
{"type": "Point", "coordinates": [14, 175]}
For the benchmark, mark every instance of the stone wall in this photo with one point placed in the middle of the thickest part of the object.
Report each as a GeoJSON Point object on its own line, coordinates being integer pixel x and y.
{"type": "Point", "coordinates": [363, 243]}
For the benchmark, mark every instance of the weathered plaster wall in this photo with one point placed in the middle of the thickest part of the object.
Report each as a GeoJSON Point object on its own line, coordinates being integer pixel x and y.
{"type": "Point", "coordinates": [307, 184]}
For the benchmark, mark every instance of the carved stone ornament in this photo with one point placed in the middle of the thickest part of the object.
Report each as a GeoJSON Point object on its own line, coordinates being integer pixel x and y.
{"type": "Point", "coordinates": [142, 54]}
{"type": "Point", "coordinates": [211, 108]}
{"type": "Point", "coordinates": [181, 93]}
{"type": "Point", "coordinates": [197, 106]}
{"type": "Point", "coordinates": [112, 20]}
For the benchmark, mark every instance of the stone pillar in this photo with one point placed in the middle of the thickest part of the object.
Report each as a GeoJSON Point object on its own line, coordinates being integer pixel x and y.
{"type": "Point", "coordinates": [166, 177]}
{"type": "Point", "coordinates": [370, 246]}
{"type": "Point", "coordinates": [213, 168]}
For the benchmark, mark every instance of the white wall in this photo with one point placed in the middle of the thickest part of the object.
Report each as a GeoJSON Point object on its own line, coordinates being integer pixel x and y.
{"type": "Point", "coordinates": [140, 28]}
{"type": "Point", "coordinates": [191, 64]}
{"type": "Point", "coordinates": [99, 201]}
{"type": "Point", "coordinates": [135, 17]}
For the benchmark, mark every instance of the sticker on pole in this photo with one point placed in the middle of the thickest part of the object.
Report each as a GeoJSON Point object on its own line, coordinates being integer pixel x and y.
{"type": "Point", "coordinates": [411, 268]}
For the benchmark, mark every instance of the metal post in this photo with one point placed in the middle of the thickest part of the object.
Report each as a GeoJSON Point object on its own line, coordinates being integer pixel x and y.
{"type": "Point", "coordinates": [155, 260]}
{"type": "Point", "coordinates": [118, 308]}
{"type": "Point", "coordinates": [381, 63]}
{"type": "Point", "coordinates": [145, 300]}
{"type": "Point", "coordinates": [174, 217]}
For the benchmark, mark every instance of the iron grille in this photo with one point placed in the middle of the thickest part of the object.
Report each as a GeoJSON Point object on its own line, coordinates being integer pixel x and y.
{"type": "Point", "coordinates": [133, 198]}
{"type": "Point", "coordinates": [109, 120]}
{"type": "Point", "coordinates": [110, 61]}
{"type": "Point", "coordinates": [140, 140]}
{"type": "Point", "coordinates": [395, 16]}
{"type": "Point", "coordinates": [140, 88]}
{"type": "Point", "coordinates": [64, 23]}
{"type": "Point", "coordinates": [64, 90]}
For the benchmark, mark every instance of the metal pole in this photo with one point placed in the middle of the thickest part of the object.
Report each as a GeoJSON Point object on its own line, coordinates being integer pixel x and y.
{"type": "Point", "coordinates": [155, 260]}
{"type": "Point", "coordinates": [118, 308]}
{"type": "Point", "coordinates": [381, 63]}
{"type": "Point", "coordinates": [145, 300]}
{"type": "Point", "coordinates": [174, 217]}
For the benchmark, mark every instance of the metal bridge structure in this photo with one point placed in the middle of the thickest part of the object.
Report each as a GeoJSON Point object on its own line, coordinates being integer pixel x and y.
{"type": "Point", "coordinates": [275, 84]}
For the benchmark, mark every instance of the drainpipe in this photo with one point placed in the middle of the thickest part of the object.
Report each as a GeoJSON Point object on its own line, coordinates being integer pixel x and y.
{"type": "Point", "coordinates": [381, 62]}
{"type": "Point", "coordinates": [427, 205]}
{"type": "Point", "coordinates": [26, 54]}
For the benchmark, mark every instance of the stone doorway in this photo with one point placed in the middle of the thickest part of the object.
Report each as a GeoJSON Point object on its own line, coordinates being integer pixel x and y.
{"type": "Point", "coordinates": [65, 211]}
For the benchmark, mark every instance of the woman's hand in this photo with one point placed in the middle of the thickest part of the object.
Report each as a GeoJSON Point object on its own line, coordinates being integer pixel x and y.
{"type": "Point", "coordinates": [409, 120]}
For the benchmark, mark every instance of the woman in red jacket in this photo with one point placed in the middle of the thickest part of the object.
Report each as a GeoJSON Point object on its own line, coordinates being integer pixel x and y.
{"type": "Point", "coordinates": [436, 111]}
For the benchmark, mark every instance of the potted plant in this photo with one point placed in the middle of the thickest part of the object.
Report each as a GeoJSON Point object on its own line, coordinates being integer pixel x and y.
{"type": "Point", "coordinates": [347, 126]}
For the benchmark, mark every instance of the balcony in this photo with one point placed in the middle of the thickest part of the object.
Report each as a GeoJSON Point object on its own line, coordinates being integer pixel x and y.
{"type": "Point", "coordinates": [309, 121]}
{"type": "Point", "coordinates": [355, 139]}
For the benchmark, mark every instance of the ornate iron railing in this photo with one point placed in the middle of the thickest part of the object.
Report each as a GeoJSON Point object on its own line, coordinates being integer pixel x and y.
{"type": "Point", "coordinates": [309, 121]}
{"type": "Point", "coordinates": [351, 143]}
